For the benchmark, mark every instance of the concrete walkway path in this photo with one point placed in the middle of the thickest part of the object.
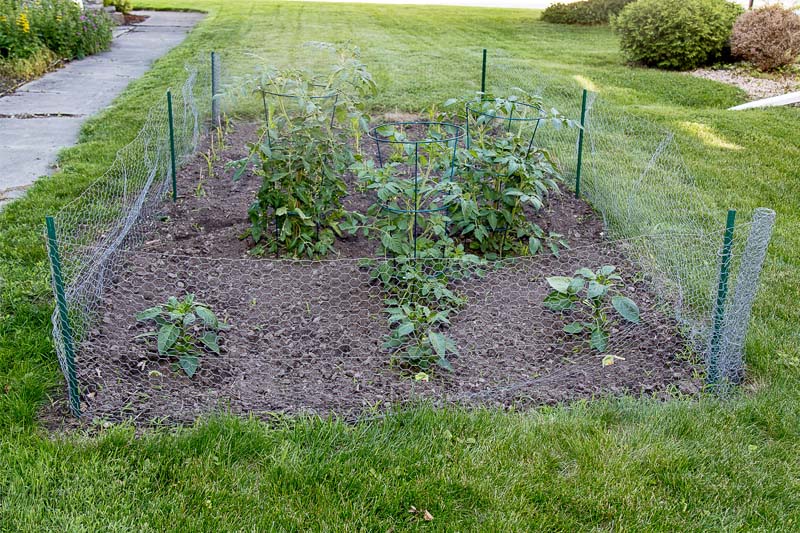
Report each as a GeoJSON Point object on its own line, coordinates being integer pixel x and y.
{"type": "Point", "coordinates": [45, 115]}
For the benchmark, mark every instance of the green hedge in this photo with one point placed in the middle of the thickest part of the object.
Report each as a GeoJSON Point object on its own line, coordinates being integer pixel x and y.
{"type": "Point", "coordinates": [676, 34]}
{"type": "Point", "coordinates": [587, 12]}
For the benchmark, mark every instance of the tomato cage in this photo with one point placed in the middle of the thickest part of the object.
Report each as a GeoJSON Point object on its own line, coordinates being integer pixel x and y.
{"type": "Point", "coordinates": [419, 157]}
{"type": "Point", "coordinates": [292, 98]}
{"type": "Point", "coordinates": [488, 111]}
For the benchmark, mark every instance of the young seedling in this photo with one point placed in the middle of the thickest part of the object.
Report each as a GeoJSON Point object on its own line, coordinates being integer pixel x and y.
{"type": "Point", "coordinates": [586, 298]}
{"type": "Point", "coordinates": [187, 329]}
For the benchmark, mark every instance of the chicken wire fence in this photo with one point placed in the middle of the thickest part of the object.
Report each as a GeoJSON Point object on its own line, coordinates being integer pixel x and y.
{"type": "Point", "coordinates": [311, 336]}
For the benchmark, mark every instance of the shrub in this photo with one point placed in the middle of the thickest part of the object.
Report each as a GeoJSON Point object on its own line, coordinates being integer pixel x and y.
{"type": "Point", "coordinates": [586, 12]}
{"type": "Point", "coordinates": [122, 6]}
{"type": "Point", "coordinates": [769, 37]}
{"type": "Point", "coordinates": [675, 34]}
{"type": "Point", "coordinates": [17, 40]}
{"type": "Point", "coordinates": [68, 31]}
{"type": "Point", "coordinates": [56, 25]}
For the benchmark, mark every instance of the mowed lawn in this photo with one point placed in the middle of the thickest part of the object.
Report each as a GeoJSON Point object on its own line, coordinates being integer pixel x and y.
{"type": "Point", "coordinates": [690, 465]}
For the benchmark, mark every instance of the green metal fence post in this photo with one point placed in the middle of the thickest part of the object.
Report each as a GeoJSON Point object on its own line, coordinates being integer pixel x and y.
{"type": "Point", "coordinates": [215, 119]}
{"type": "Point", "coordinates": [483, 73]}
{"type": "Point", "coordinates": [580, 145]}
{"type": "Point", "coordinates": [722, 295]}
{"type": "Point", "coordinates": [172, 147]}
{"type": "Point", "coordinates": [63, 317]}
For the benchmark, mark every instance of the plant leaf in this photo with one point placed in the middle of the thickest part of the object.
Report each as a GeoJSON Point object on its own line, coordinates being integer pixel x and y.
{"type": "Point", "coordinates": [405, 329]}
{"type": "Point", "coordinates": [148, 314]}
{"type": "Point", "coordinates": [559, 302]}
{"type": "Point", "coordinates": [560, 283]}
{"type": "Point", "coordinates": [167, 336]}
{"type": "Point", "coordinates": [444, 363]}
{"type": "Point", "coordinates": [598, 340]}
{"type": "Point", "coordinates": [211, 340]}
{"type": "Point", "coordinates": [627, 308]}
{"type": "Point", "coordinates": [574, 328]}
{"type": "Point", "coordinates": [596, 290]}
{"type": "Point", "coordinates": [438, 343]}
{"type": "Point", "coordinates": [189, 364]}
{"type": "Point", "coordinates": [208, 318]}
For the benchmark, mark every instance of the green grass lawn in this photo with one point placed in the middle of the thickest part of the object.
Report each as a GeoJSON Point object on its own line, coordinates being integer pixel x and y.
{"type": "Point", "coordinates": [692, 465]}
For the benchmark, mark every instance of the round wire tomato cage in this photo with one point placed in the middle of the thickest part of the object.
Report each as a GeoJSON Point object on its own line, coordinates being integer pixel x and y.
{"type": "Point", "coordinates": [454, 134]}
{"type": "Point", "coordinates": [474, 112]}
{"type": "Point", "coordinates": [326, 93]}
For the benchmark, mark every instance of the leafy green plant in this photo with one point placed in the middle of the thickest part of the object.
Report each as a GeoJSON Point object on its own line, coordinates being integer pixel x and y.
{"type": "Point", "coordinates": [589, 297]}
{"type": "Point", "coordinates": [675, 34]}
{"type": "Point", "coordinates": [416, 176]}
{"type": "Point", "coordinates": [419, 303]}
{"type": "Point", "coordinates": [186, 330]}
{"type": "Point", "coordinates": [26, 28]}
{"type": "Point", "coordinates": [302, 188]}
{"type": "Point", "coordinates": [122, 6]}
{"type": "Point", "coordinates": [587, 12]}
{"type": "Point", "coordinates": [302, 156]}
{"type": "Point", "coordinates": [413, 189]}
{"type": "Point", "coordinates": [501, 175]}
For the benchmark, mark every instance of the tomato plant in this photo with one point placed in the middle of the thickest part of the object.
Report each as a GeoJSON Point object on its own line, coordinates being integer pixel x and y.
{"type": "Point", "coordinates": [302, 154]}
{"type": "Point", "coordinates": [504, 177]}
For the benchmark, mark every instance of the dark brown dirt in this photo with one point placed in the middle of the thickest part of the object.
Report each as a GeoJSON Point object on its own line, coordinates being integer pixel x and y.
{"type": "Point", "coordinates": [306, 335]}
{"type": "Point", "coordinates": [131, 19]}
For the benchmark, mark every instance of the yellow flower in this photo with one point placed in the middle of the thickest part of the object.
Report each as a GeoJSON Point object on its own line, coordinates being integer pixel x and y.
{"type": "Point", "coordinates": [22, 22]}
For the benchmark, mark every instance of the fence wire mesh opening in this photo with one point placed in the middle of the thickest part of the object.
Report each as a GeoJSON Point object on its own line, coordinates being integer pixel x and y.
{"type": "Point", "coordinates": [638, 287]}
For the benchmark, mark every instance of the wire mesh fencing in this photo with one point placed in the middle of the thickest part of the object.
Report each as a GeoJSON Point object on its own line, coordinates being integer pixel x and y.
{"type": "Point", "coordinates": [153, 335]}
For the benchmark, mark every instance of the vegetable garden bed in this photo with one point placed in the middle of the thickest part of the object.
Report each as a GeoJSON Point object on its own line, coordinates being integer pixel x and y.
{"type": "Point", "coordinates": [306, 336]}
{"type": "Point", "coordinates": [317, 260]}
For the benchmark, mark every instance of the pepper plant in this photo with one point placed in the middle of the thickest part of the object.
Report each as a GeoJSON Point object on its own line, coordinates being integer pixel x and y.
{"type": "Point", "coordinates": [187, 329]}
{"type": "Point", "coordinates": [589, 298]}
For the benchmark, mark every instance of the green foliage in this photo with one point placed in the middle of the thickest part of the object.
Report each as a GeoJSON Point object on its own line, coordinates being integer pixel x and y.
{"type": "Point", "coordinates": [416, 281]}
{"type": "Point", "coordinates": [586, 298]}
{"type": "Point", "coordinates": [302, 189]}
{"type": "Point", "coordinates": [414, 177]}
{"type": "Point", "coordinates": [57, 25]}
{"type": "Point", "coordinates": [303, 156]}
{"type": "Point", "coordinates": [186, 329]}
{"type": "Point", "coordinates": [675, 34]}
{"type": "Point", "coordinates": [419, 303]}
{"type": "Point", "coordinates": [501, 175]}
{"type": "Point", "coordinates": [122, 6]}
{"type": "Point", "coordinates": [587, 12]}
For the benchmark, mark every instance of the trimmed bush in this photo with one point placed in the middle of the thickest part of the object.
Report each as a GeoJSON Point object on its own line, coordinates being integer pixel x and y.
{"type": "Point", "coordinates": [588, 12]}
{"type": "Point", "coordinates": [769, 37]}
{"type": "Point", "coordinates": [676, 34]}
{"type": "Point", "coordinates": [122, 6]}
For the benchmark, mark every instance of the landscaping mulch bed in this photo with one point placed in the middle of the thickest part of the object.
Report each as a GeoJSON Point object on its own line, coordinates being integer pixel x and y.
{"type": "Point", "coordinates": [756, 87]}
{"type": "Point", "coordinates": [306, 336]}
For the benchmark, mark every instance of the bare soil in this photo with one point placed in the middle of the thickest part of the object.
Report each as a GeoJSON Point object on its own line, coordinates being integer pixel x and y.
{"type": "Point", "coordinates": [305, 336]}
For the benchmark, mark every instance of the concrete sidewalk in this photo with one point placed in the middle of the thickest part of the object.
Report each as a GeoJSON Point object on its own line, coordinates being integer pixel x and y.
{"type": "Point", "coordinates": [45, 115]}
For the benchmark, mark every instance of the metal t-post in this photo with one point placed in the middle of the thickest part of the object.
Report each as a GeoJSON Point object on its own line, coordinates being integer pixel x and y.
{"type": "Point", "coordinates": [63, 318]}
{"type": "Point", "coordinates": [734, 330]}
{"type": "Point", "coordinates": [722, 295]}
